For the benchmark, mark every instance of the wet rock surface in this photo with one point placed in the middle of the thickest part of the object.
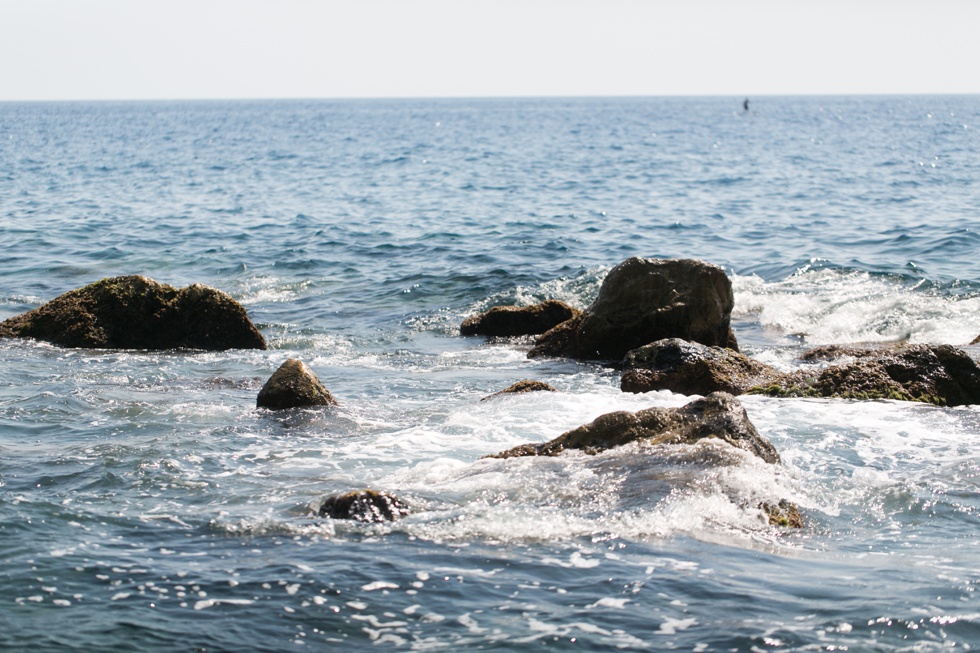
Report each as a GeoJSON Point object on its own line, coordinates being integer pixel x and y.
{"type": "Point", "coordinates": [504, 321]}
{"type": "Point", "coordinates": [645, 300]}
{"type": "Point", "coordinates": [937, 374]}
{"type": "Point", "coordinates": [719, 415]}
{"type": "Point", "coordinates": [522, 387]}
{"type": "Point", "coordinates": [364, 506]}
{"type": "Point", "coordinates": [135, 312]}
{"type": "Point", "coordinates": [293, 385]}
{"type": "Point", "coordinates": [692, 368]}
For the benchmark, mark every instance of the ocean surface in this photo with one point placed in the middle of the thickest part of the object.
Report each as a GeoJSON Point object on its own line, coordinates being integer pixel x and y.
{"type": "Point", "coordinates": [147, 505]}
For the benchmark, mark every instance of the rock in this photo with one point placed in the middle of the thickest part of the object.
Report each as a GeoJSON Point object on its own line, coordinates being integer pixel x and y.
{"type": "Point", "coordinates": [719, 415]}
{"type": "Point", "coordinates": [976, 341]}
{"type": "Point", "coordinates": [691, 368]}
{"type": "Point", "coordinates": [293, 385]}
{"type": "Point", "coordinates": [935, 374]}
{"type": "Point", "coordinates": [518, 321]}
{"type": "Point", "coordinates": [645, 300]}
{"type": "Point", "coordinates": [522, 387]}
{"type": "Point", "coordinates": [135, 312]}
{"type": "Point", "coordinates": [784, 514]}
{"type": "Point", "coordinates": [364, 506]}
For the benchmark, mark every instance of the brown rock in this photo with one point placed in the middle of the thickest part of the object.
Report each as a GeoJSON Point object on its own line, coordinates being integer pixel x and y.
{"type": "Point", "coordinates": [936, 374]}
{"type": "Point", "coordinates": [719, 415]}
{"type": "Point", "coordinates": [517, 320]}
{"type": "Point", "coordinates": [135, 312]}
{"type": "Point", "coordinates": [364, 506]}
{"type": "Point", "coordinates": [691, 368]}
{"type": "Point", "coordinates": [293, 385]}
{"type": "Point", "coordinates": [645, 300]}
{"type": "Point", "coordinates": [522, 387]}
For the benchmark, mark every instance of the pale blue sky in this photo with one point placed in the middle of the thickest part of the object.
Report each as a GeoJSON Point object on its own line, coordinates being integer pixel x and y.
{"type": "Point", "coordinates": [146, 49]}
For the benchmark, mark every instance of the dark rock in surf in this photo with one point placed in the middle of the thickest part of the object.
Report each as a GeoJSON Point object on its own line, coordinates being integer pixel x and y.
{"type": "Point", "coordinates": [976, 341]}
{"type": "Point", "coordinates": [522, 387]}
{"type": "Point", "coordinates": [691, 368]}
{"type": "Point", "coordinates": [293, 385]}
{"type": "Point", "coordinates": [518, 320]}
{"type": "Point", "coordinates": [935, 374]}
{"type": "Point", "coordinates": [135, 312]}
{"type": "Point", "coordinates": [364, 506]}
{"type": "Point", "coordinates": [719, 415]}
{"type": "Point", "coordinates": [783, 514]}
{"type": "Point", "coordinates": [645, 300]}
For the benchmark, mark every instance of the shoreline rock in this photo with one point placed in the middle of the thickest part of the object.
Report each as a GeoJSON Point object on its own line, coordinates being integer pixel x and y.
{"type": "Point", "coordinates": [135, 312]}
{"type": "Point", "coordinates": [691, 368]}
{"type": "Point", "coordinates": [523, 387]}
{"type": "Point", "coordinates": [645, 300]}
{"type": "Point", "coordinates": [364, 506]}
{"type": "Point", "coordinates": [718, 415]}
{"type": "Point", "coordinates": [503, 321]}
{"type": "Point", "coordinates": [293, 385]}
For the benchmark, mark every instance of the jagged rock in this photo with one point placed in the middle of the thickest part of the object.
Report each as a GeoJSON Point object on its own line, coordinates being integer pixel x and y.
{"type": "Point", "coordinates": [783, 513]}
{"type": "Point", "coordinates": [364, 506]}
{"type": "Point", "coordinates": [976, 341]}
{"type": "Point", "coordinates": [136, 312]}
{"type": "Point", "coordinates": [691, 368]}
{"type": "Point", "coordinates": [517, 320]}
{"type": "Point", "coordinates": [719, 415]}
{"type": "Point", "coordinates": [645, 300]}
{"type": "Point", "coordinates": [293, 385]}
{"type": "Point", "coordinates": [935, 374]}
{"type": "Point", "coordinates": [522, 387]}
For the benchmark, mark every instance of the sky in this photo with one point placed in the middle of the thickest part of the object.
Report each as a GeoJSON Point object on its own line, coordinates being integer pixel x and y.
{"type": "Point", "coordinates": [223, 49]}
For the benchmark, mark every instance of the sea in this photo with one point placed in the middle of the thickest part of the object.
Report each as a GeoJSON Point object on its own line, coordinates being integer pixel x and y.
{"type": "Point", "coordinates": [146, 504]}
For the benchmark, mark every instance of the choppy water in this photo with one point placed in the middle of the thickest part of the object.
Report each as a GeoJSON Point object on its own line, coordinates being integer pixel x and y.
{"type": "Point", "coordinates": [145, 504]}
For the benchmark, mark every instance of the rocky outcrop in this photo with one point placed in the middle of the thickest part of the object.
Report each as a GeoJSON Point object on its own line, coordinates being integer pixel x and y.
{"type": "Point", "coordinates": [719, 415]}
{"type": "Point", "coordinates": [935, 374]}
{"type": "Point", "coordinates": [364, 506]}
{"type": "Point", "coordinates": [518, 320]}
{"type": "Point", "coordinates": [691, 368]}
{"type": "Point", "coordinates": [135, 312]}
{"type": "Point", "coordinates": [293, 385]}
{"type": "Point", "coordinates": [645, 300]}
{"type": "Point", "coordinates": [522, 387]}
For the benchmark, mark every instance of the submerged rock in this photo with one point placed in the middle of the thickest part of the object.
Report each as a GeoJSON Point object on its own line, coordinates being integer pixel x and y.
{"type": "Point", "coordinates": [293, 385]}
{"type": "Point", "coordinates": [645, 300]}
{"type": "Point", "coordinates": [518, 320]}
{"type": "Point", "coordinates": [719, 415]}
{"type": "Point", "coordinates": [691, 368]}
{"type": "Point", "coordinates": [522, 387]}
{"type": "Point", "coordinates": [935, 374]}
{"type": "Point", "coordinates": [364, 506]}
{"type": "Point", "coordinates": [135, 312]}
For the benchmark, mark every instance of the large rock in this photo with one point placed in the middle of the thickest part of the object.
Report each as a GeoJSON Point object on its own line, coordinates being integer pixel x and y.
{"type": "Point", "coordinates": [364, 506]}
{"type": "Point", "coordinates": [135, 312]}
{"type": "Point", "coordinates": [719, 415]}
{"type": "Point", "coordinates": [518, 320]}
{"type": "Point", "coordinates": [935, 374]}
{"type": "Point", "coordinates": [293, 385]}
{"type": "Point", "coordinates": [645, 300]}
{"type": "Point", "coordinates": [691, 368]}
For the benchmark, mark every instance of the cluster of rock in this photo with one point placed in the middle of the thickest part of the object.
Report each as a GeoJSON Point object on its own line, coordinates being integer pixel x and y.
{"type": "Point", "coordinates": [666, 322]}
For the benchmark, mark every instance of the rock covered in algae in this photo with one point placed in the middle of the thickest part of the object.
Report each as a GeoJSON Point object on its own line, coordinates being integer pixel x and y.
{"type": "Point", "coordinates": [363, 506]}
{"type": "Point", "coordinates": [293, 385]}
{"type": "Point", "coordinates": [518, 320]}
{"type": "Point", "coordinates": [691, 368]}
{"type": "Point", "coordinates": [935, 374]}
{"type": "Point", "coordinates": [135, 312]}
{"type": "Point", "coordinates": [644, 300]}
{"type": "Point", "coordinates": [718, 415]}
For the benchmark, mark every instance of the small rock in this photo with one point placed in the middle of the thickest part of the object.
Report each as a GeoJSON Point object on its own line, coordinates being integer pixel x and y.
{"type": "Point", "coordinates": [522, 387]}
{"type": "Point", "coordinates": [784, 513]}
{"type": "Point", "coordinates": [517, 320]}
{"type": "Point", "coordinates": [364, 506]}
{"type": "Point", "coordinates": [293, 385]}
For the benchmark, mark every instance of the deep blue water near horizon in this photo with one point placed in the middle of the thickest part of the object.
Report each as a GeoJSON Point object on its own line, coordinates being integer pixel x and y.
{"type": "Point", "coordinates": [146, 504]}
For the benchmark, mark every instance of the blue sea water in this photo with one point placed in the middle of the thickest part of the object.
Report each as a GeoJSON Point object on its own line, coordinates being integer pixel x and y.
{"type": "Point", "coordinates": [147, 505]}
